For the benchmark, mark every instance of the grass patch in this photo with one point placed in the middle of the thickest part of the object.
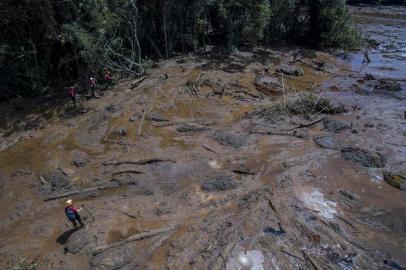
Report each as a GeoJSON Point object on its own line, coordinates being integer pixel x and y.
{"type": "Point", "coordinates": [24, 264]}
{"type": "Point", "coordinates": [302, 104]}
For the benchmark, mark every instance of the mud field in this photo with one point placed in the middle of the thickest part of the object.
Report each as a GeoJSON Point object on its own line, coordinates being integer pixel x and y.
{"type": "Point", "coordinates": [289, 165]}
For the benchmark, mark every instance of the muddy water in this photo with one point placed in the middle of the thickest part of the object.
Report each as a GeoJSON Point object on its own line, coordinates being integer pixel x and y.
{"type": "Point", "coordinates": [385, 31]}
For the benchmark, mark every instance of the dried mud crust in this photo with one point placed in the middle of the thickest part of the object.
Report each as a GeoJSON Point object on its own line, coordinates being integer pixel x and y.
{"type": "Point", "coordinates": [204, 177]}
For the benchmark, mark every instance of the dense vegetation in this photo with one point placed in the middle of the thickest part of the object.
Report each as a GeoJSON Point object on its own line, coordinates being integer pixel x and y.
{"type": "Point", "coordinates": [52, 42]}
{"type": "Point", "coordinates": [376, 2]}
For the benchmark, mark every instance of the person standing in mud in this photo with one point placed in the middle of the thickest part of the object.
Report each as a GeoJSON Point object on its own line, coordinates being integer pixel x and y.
{"type": "Point", "coordinates": [108, 80]}
{"type": "Point", "coordinates": [92, 84]}
{"type": "Point", "coordinates": [72, 93]}
{"type": "Point", "coordinates": [72, 213]}
{"type": "Point", "coordinates": [366, 60]}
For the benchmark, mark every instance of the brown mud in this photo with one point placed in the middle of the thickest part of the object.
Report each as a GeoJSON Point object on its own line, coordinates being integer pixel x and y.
{"type": "Point", "coordinates": [278, 199]}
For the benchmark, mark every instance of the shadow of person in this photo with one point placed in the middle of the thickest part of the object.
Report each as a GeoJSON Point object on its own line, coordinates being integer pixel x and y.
{"type": "Point", "coordinates": [63, 238]}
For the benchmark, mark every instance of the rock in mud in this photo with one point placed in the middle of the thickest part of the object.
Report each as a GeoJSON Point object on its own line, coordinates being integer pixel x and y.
{"type": "Point", "coordinates": [80, 163]}
{"type": "Point", "coordinates": [122, 131]}
{"type": "Point", "coordinates": [386, 85]}
{"type": "Point", "coordinates": [156, 118]}
{"type": "Point", "coordinates": [229, 139]}
{"type": "Point", "coordinates": [112, 108]}
{"type": "Point", "coordinates": [325, 67]}
{"type": "Point", "coordinates": [78, 240]}
{"type": "Point", "coordinates": [268, 85]}
{"type": "Point", "coordinates": [328, 142]}
{"type": "Point", "coordinates": [395, 179]}
{"type": "Point", "coordinates": [190, 128]}
{"type": "Point", "coordinates": [218, 87]}
{"type": "Point", "coordinates": [302, 133]}
{"type": "Point", "coordinates": [335, 125]}
{"type": "Point", "coordinates": [80, 159]}
{"type": "Point", "coordinates": [219, 183]}
{"type": "Point", "coordinates": [365, 158]}
{"type": "Point", "coordinates": [290, 70]}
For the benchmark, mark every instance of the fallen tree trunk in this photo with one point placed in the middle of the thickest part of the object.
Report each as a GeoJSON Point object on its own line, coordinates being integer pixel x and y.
{"type": "Point", "coordinates": [136, 162]}
{"type": "Point", "coordinates": [133, 238]}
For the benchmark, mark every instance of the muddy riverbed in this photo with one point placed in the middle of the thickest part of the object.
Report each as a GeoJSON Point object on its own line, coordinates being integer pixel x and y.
{"type": "Point", "coordinates": [224, 162]}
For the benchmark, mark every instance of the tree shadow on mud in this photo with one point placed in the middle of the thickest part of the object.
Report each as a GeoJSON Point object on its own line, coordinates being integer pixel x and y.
{"type": "Point", "coordinates": [63, 238]}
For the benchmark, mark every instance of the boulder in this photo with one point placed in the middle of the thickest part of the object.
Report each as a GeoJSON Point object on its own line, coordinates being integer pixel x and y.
{"type": "Point", "coordinates": [395, 179]}
{"type": "Point", "coordinates": [290, 70]}
{"type": "Point", "coordinates": [268, 85]}
{"type": "Point", "coordinates": [335, 125]}
{"type": "Point", "coordinates": [328, 142]}
{"type": "Point", "coordinates": [219, 183]}
{"type": "Point", "coordinates": [365, 158]}
{"type": "Point", "coordinates": [229, 139]}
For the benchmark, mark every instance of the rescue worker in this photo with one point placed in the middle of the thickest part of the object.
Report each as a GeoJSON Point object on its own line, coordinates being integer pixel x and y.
{"type": "Point", "coordinates": [108, 79]}
{"type": "Point", "coordinates": [72, 93]}
{"type": "Point", "coordinates": [72, 213]}
{"type": "Point", "coordinates": [92, 84]}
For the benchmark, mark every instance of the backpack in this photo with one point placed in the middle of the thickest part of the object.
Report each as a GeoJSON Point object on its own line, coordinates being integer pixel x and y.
{"type": "Point", "coordinates": [70, 213]}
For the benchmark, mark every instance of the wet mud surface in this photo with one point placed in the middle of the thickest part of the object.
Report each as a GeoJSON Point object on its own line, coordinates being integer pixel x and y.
{"type": "Point", "coordinates": [207, 170]}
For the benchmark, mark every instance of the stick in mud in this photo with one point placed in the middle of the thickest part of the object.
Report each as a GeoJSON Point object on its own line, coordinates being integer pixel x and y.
{"type": "Point", "coordinates": [142, 122]}
{"type": "Point", "coordinates": [305, 125]}
{"type": "Point", "coordinates": [208, 148]}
